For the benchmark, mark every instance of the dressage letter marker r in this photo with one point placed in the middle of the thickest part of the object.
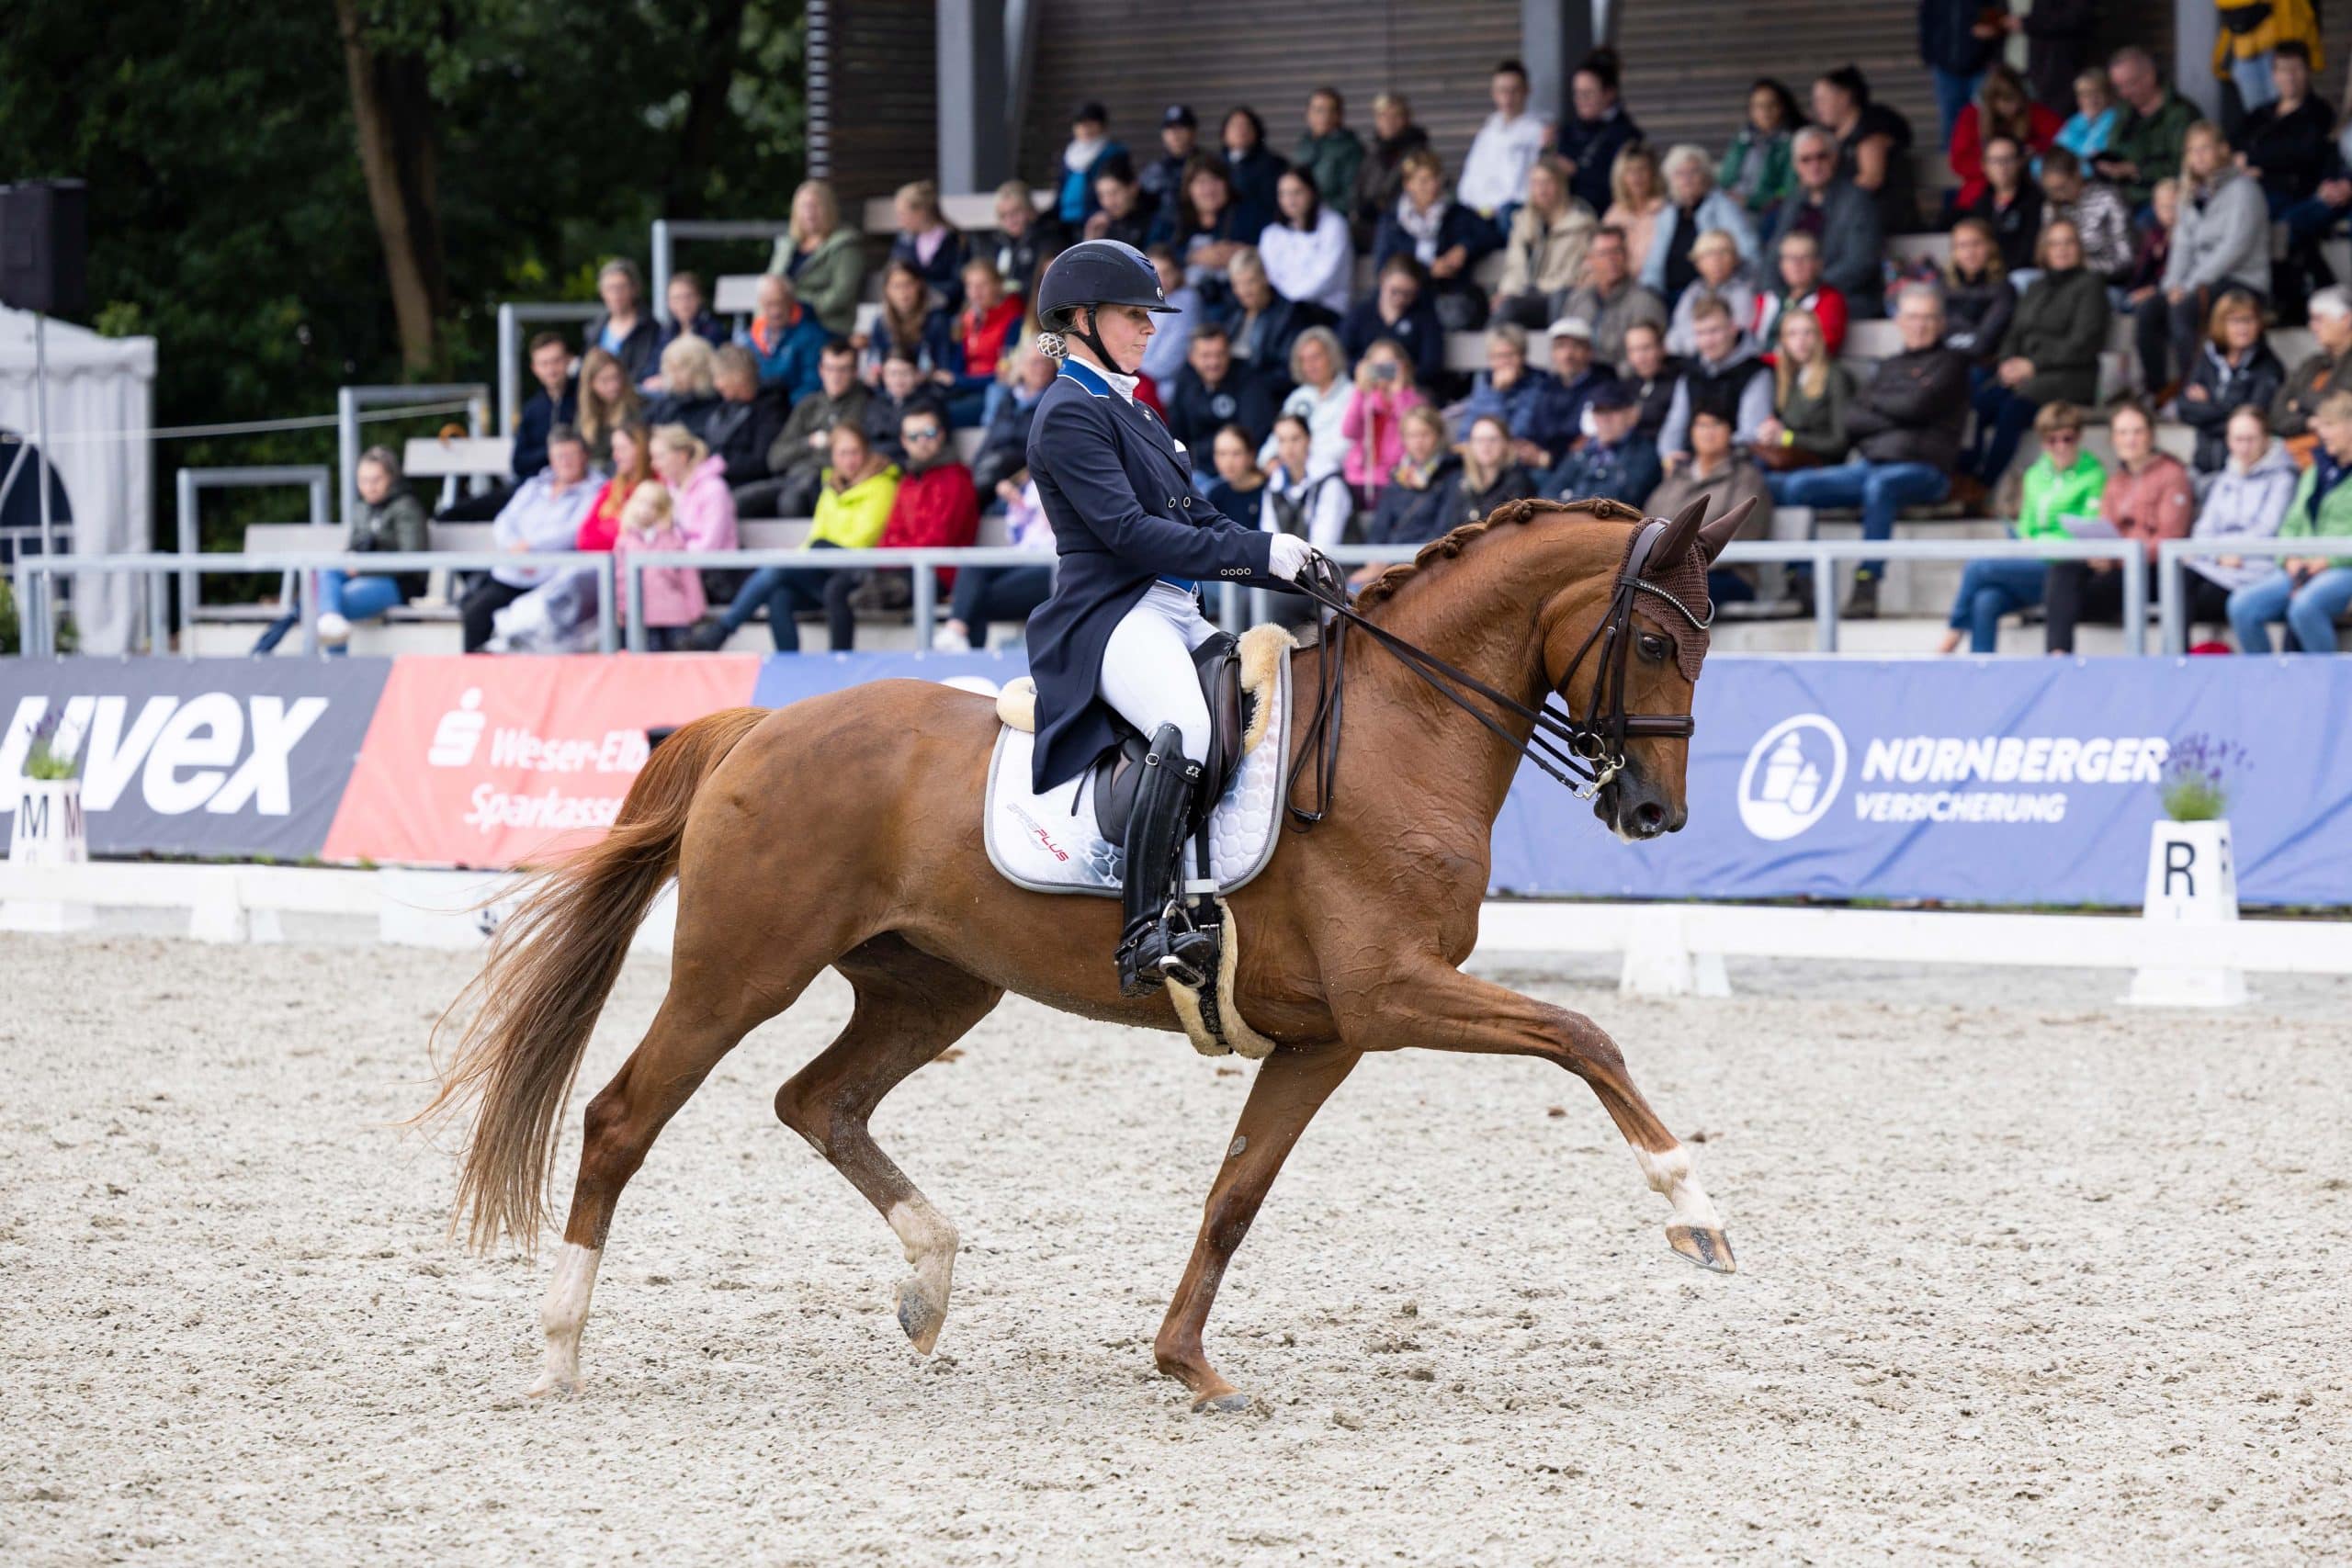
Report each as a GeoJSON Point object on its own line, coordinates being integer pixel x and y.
{"type": "Point", "coordinates": [2180, 859]}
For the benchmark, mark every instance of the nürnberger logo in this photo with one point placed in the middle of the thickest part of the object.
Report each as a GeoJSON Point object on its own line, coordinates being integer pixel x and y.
{"type": "Point", "coordinates": [1791, 776]}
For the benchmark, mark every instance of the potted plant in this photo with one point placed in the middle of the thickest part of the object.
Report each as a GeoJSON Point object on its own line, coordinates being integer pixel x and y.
{"type": "Point", "coordinates": [47, 828]}
{"type": "Point", "coordinates": [2192, 874]}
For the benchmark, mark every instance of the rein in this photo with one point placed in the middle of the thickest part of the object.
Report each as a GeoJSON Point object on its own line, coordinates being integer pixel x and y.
{"type": "Point", "coordinates": [1568, 750]}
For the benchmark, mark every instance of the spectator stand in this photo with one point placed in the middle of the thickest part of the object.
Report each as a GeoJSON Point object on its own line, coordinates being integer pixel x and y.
{"type": "Point", "coordinates": [314, 477]}
{"type": "Point", "coordinates": [473, 396]}
{"type": "Point", "coordinates": [668, 231]}
{"type": "Point", "coordinates": [512, 314]}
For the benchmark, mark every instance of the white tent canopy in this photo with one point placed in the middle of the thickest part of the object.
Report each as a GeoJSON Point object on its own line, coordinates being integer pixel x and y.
{"type": "Point", "coordinates": [101, 409]}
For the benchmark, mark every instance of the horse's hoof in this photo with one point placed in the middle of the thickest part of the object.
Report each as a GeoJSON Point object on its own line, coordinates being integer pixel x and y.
{"type": "Point", "coordinates": [921, 1318]}
{"type": "Point", "coordinates": [1231, 1403]}
{"type": "Point", "coordinates": [1710, 1249]}
{"type": "Point", "coordinates": [553, 1382]}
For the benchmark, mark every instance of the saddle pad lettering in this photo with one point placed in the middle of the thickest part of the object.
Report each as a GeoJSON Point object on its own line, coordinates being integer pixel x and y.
{"type": "Point", "coordinates": [1048, 843]}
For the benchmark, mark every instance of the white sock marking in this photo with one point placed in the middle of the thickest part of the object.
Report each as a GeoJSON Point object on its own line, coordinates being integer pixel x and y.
{"type": "Point", "coordinates": [1672, 1172]}
{"type": "Point", "coordinates": [565, 1313]}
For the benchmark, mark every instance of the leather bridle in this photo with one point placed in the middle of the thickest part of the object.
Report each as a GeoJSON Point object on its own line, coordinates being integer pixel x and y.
{"type": "Point", "coordinates": [1580, 755]}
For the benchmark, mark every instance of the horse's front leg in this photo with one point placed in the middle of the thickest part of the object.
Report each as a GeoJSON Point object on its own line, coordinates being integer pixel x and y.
{"type": "Point", "coordinates": [1291, 1086]}
{"type": "Point", "coordinates": [1438, 1007]}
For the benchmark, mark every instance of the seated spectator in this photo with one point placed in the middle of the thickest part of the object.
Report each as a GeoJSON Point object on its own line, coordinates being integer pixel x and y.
{"type": "Point", "coordinates": [1329, 154]}
{"type": "Point", "coordinates": [1254, 167]}
{"type": "Point", "coordinates": [2092, 125]}
{"type": "Point", "coordinates": [1001, 465]}
{"type": "Point", "coordinates": [542, 515]}
{"type": "Point", "coordinates": [1543, 254]}
{"type": "Point", "coordinates": [1798, 286]}
{"type": "Point", "coordinates": [927, 243]}
{"type": "Point", "coordinates": [670, 598]}
{"type": "Point", "coordinates": [1024, 240]}
{"type": "Point", "coordinates": [554, 404]}
{"type": "Point", "coordinates": [1382, 177]}
{"type": "Point", "coordinates": [1637, 200]}
{"type": "Point", "coordinates": [1757, 170]}
{"type": "Point", "coordinates": [2246, 499]}
{"type": "Point", "coordinates": [2252, 35]}
{"type": "Point", "coordinates": [1088, 152]}
{"type": "Point", "coordinates": [1906, 427]}
{"type": "Point", "coordinates": [2309, 592]}
{"type": "Point", "coordinates": [2050, 354]}
{"type": "Point", "coordinates": [1212, 392]}
{"type": "Point", "coordinates": [984, 328]}
{"type": "Point", "coordinates": [2064, 481]}
{"type": "Point", "coordinates": [1609, 298]}
{"type": "Point", "coordinates": [1717, 472]}
{"type": "Point", "coordinates": [1206, 227]}
{"type": "Point", "coordinates": [825, 261]}
{"type": "Point", "coordinates": [1841, 219]}
{"type": "Point", "coordinates": [1306, 252]}
{"type": "Point", "coordinates": [1416, 486]}
{"type": "Point", "coordinates": [1445, 237]}
{"type": "Point", "coordinates": [1596, 132]}
{"type": "Point", "coordinates": [1490, 477]}
{"type": "Point", "coordinates": [2148, 497]}
{"type": "Point", "coordinates": [1373, 425]}
{"type": "Point", "coordinates": [1509, 389]}
{"type": "Point", "coordinates": [632, 466]}
{"type": "Point", "coordinates": [2237, 369]}
{"type": "Point", "coordinates": [623, 329]}
{"type": "Point", "coordinates": [2008, 203]}
{"type": "Point", "coordinates": [2328, 368]}
{"type": "Point", "coordinates": [748, 418]}
{"type": "Point", "coordinates": [783, 338]}
{"type": "Point", "coordinates": [1716, 274]}
{"type": "Point", "coordinates": [2142, 286]}
{"type": "Point", "coordinates": [853, 507]}
{"type": "Point", "coordinates": [795, 458]}
{"type": "Point", "coordinates": [1577, 375]}
{"type": "Point", "coordinates": [1494, 175]}
{"type": "Point", "coordinates": [700, 502]}
{"type": "Point", "coordinates": [1723, 374]}
{"type": "Point", "coordinates": [903, 391]}
{"type": "Point", "coordinates": [1873, 146]}
{"type": "Point", "coordinates": [1650, 374]}
{"type": "Point", "coordinates": [1978, 299]}
{"type": "Point", "coordinates": [2290, 148]}
{"type": "Point", "coordinates": [1321, 396]}
{"type": "Point", "coordinates": [1121, 211]}
{"type": "Point", "coordinates": [606, 400]}
{"type": "Point", "coordinates": [1163, 357]}
{"type": "Point", "coordinates": [1810, 392]}
{"type": "Point", "coordinates": [1237, 489]}
{"type": "Point", "coordinates": [388, 519]}
{"type": "Point", "coordinates": [1999, 109]}
{"type": "Point", "coordinates": [2221, 241]}
{"type": "Point", "coordinates": [1694, 209]}
{"type": "Point", "coordinates": [1398, 308]}
{"type": "Point", "coordinates": [985, 594]}
{"type": "Point", "coordinates": [689, 312]}
{"type": "Point", "coordinates": [1161, 181]}
{"type": "Point", "coordinates": [936, 507]}
{"type": "Point", "coordinates": [1302, 496]}
{"type": "Point", "coordinates": [2095, 210]}
{"type": "Point", "coordinates": [689, 394]}
{"type": "Point", "coordinates": [1262, 325]}
{"type": "Point", "coordinates": [2152, 124]}
{"type": "Point", "coordinates": [907, 326]}
{"type": "Point", "coordinates": [1616, 461]}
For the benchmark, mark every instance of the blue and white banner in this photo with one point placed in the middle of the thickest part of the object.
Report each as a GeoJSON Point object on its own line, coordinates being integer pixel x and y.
{"type": "Point", "coordinates": [2005, 781]}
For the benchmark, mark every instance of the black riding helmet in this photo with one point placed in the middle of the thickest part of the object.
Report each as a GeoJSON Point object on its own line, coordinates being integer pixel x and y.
{"type": "Point", "coordinates": [1095, 272]}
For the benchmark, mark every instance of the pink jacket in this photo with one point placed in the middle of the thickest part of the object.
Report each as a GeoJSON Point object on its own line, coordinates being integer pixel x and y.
{"type": "Point", "coordinates": [704, 509]}
{"type": "Point", "coordinates": [672, 593]}
{"type": "Point", "coordinates": [1374, 426]}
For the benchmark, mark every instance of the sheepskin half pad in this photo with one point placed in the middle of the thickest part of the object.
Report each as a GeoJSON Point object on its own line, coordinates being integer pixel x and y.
{"type": "Point", "coordinates": [1049, 842]}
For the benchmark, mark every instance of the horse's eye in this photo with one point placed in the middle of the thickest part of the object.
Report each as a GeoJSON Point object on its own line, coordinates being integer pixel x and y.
{"type": "Point", "coordinates": [1655, 647]}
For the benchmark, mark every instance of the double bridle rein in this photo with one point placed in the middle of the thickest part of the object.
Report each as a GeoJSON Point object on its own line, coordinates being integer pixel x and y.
{"type": "Point", "coordinates": [1580, 755]}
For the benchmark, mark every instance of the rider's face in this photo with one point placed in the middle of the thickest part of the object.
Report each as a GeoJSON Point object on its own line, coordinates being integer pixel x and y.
{"type": "Point", "coordinates": [1125, 329]}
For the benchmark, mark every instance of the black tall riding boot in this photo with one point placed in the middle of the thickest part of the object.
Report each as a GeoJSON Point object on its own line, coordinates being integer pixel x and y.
{"type": "Point", "coordinates": [1150, 949]}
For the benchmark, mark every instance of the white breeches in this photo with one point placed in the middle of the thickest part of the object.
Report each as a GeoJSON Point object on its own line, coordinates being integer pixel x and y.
{"type": "Point", "coordinates": [1147, 673]}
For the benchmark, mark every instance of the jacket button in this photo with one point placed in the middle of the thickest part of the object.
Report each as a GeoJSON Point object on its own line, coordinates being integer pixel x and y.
{"type": "Point", "coordinates": [1188, 501]}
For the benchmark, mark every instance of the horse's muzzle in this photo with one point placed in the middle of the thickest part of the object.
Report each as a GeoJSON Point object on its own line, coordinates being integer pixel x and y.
{"type": "Point", "coordinates": [1636, 809]}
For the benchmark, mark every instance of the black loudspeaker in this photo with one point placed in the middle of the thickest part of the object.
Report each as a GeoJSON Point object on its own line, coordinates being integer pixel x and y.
{"type": "Point", "coordinates": [45, 246]}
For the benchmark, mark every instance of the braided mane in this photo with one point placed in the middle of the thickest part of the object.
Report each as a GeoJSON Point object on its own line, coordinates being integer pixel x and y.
{"type": "Point", "coordinates": [1381, 589]}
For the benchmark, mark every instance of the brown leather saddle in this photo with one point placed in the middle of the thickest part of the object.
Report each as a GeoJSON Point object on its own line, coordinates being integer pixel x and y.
{"type": "Point", "coordinates": [1217, 662]}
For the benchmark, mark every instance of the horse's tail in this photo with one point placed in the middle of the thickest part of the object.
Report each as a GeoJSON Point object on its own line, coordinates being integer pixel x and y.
{"type": "Point", "coordinates": [548, 972]}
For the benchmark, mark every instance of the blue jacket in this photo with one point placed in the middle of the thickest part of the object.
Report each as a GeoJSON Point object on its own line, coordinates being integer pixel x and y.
{"type": "Point", "coordinates": [1460, 226]}
{"type": "Point", "coordinates": [1527, 409]}
{"type": "Point", "coordinates": [1593, 145]}
{"type": "Point", "coordinates": [1124, 514]}
{"type": "Point", "coordinates": [1255, 175]}
{"type": "Point", "coordinates": [1627, 472]}
{"type": "Point", "coordinates": [1075, 202]}
{"type": "Point", "coordinates": [541, 414]}
{"type": "Point", "coordinates": [791, 361]}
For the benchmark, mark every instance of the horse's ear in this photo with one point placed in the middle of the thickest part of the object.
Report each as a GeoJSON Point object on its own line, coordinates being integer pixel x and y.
{"type": "Point", "coordinates": [1677, 537]}
{"type": "Point", "coordinates": [1723, 530]}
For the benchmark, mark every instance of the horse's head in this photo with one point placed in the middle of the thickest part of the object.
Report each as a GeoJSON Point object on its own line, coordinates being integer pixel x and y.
{"type": "Point", "coordinates": [1590, 634]}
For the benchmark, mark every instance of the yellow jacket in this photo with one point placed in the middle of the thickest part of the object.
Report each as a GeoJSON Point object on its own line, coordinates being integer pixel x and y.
{"type": "Point", "coordinates": [2286, 19]}
{"type": "Point", "coordinates": [854, 518]}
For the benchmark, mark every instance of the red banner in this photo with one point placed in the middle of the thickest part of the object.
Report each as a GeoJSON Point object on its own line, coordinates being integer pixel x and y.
{"type": "Point", "coordinates": [495, 762]}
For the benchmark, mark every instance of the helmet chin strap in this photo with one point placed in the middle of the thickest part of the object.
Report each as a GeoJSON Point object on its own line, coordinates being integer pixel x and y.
{"type": "Point", "coordinates": [1092, 338]}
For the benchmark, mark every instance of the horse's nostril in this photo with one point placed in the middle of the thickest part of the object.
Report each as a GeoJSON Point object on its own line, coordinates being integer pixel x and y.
{"type": "Point", "coordinates": [1650, 818]}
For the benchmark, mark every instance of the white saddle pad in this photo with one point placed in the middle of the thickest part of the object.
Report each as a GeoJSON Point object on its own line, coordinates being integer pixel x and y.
{"type": "Point", "coordinates": [1048, 843]}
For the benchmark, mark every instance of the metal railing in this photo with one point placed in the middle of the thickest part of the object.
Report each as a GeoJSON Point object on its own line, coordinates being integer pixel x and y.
{"type": "Point", "coordinates": [668, 231]}
{"type": "Point", "coordinates": [317, 477]}
{"type": "Point", "coordinates": [2171, 563]}
{"type": "Point", "coordinates": [349, 401]}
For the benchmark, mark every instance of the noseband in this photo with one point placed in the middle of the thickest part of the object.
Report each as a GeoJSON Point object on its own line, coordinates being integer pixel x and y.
{"type": "Point", "coordinates": [1581, 755]}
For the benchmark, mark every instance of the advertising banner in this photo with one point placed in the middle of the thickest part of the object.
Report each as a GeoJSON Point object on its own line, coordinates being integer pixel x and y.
{"type": "Point", "coordinates": [496, 761]}
{"type": "Point", "coordinates": [213, 757]}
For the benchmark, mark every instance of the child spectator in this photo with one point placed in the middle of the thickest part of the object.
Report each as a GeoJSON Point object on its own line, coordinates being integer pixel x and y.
{"type": "Point", "coordinates": [926, 243]}
{"type": "Point", "coordinates": [1637, 202]}
{"type": "Point", "coordinates": [1088, 153]}
{"type": "Point", "coordinates": [784, 340]}
{"type": "Point", "coordinates": [1494, 175]}
{"type": "Point", "coordinates": [2092, 125]}
{"type": "Point", "coordinates": [1717, 273]}
{"type": "Point", "coordinates": [2149, 497]}
{"type": "Point", "coordinates": [1302, 496]}
{"type": "Point", "coordinates": [1382, 177]}
{"type": "Point", "coordinates": [1399, 309]}
{"type": "Point", "coordinates": [623, 329]}
{"type": "Point", "coordinates": [1329, 154]}
{"type": "Point", "coordinates": [1543, 253]}
{"type": "Point", "coordinates": [2308, 592]}
{"type": "Point", "coordinates": [1978, 300]}
{"type": "Point", "coordinates": [1810, 392]}
{"type": "Point", "coordinates": [2233, 369]}
{"type": "Point", "coordinates": [853, 507]}
{"type": "Point", "coordinates": [1373, 423]}
{"type": "Point", "coordinates": [1254, 168]}
{"type": "Point", "coordinates": [825, 260]}
{"type": "Point", "coordinates": [1237, 489]}
{"type": "Point", "coordinates": [1598, 131]}
{"type": "Point", "coordinates": [2247, 499]}
{"type": "Point", "coordinates": [1444, 238]}
{"type": "Point", "coordinates": [1024, 242]}
{"type": "Point", "coordinates": [700, 502]}
{"type": "Point", "coordinates": [1999, 109]}
{"type": "Point", "coordinates": [670, 598]}
{"type": "Point", "coordinates": [1755, 171]}
{"type": "Point", "coordinates": [2050, 354]}
{"type": "Point", "coordinates": [1306, 252]}
{"type": "Point", "coordinates": [2063, 481]}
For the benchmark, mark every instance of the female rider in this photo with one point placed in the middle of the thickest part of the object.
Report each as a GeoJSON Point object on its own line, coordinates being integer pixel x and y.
{"type": "Point", "coordinates": [1135, 543]}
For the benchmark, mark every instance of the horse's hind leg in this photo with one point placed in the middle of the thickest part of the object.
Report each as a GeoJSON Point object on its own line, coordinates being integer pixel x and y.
{"type": "Point", "coordinates": [910, 1007]}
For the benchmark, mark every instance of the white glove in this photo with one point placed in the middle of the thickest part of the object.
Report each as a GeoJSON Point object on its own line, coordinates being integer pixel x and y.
{"type": "Point", "coordinates": [1289, 556]}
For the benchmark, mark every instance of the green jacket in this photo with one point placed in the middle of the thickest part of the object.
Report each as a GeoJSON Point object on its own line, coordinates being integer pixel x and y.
{"type": "Point", "coordinates": [2334, 518]}
{"type": "Point", "coordinates": [2048, 495]}
{"type": "Point", "coordinates": [1818, 424]}
{"type": "Point", "coordinates": [2060, 325]}
{"type": "Point", "coordinates": [2153, 143]}
{"type": "Point", "coordinates": [829, 280]}
{"type": "Point", "coordinates": [855, 518]}
{"type": "Point", "coordinates": [1759, 171]}
{"type": "Point", "coordinates": [1331, 161]}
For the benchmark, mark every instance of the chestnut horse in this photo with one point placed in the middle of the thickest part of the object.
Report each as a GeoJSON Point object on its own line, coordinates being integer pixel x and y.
{"type": "Point", "coordinates": [1351, 939]}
